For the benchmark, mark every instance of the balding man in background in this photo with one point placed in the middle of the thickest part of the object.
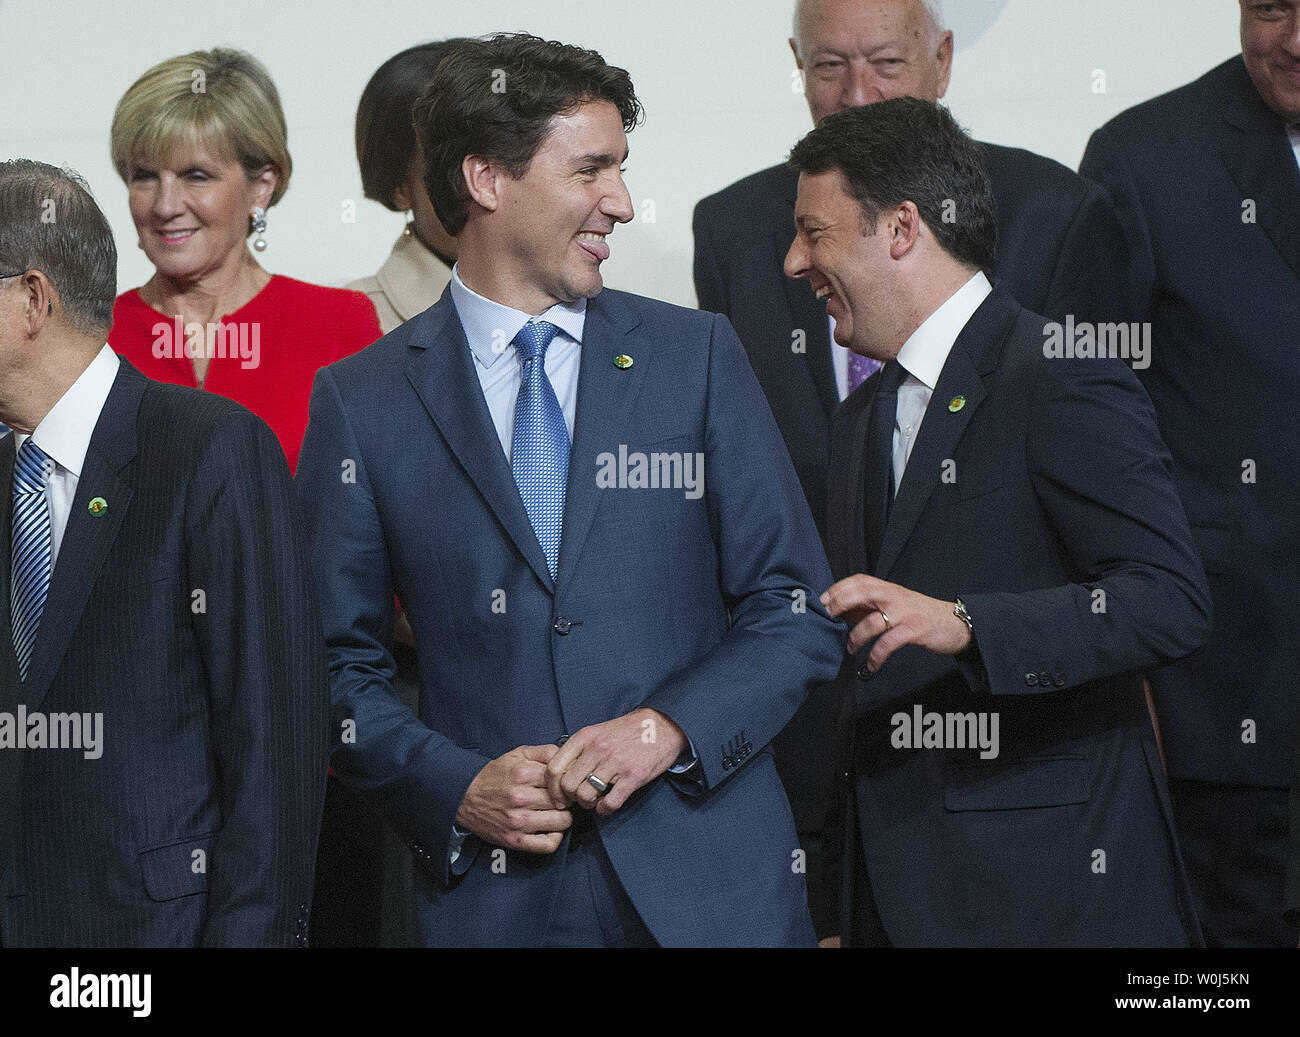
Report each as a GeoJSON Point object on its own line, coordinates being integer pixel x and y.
{"type": "Point", "coordinates": [1060, 252]}
{"type": "Point", "coordinates": [1207, 182]}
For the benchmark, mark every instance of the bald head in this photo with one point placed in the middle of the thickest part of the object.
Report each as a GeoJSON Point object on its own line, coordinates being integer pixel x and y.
{"type": "Point", "coordinates": [856, 52]}
{"type": "Point", "coordinates": [806, 10]}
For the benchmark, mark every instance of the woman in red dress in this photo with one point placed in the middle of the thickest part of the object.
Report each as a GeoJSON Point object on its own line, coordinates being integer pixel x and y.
{"type": "Point", "coordinates": [201, 143]}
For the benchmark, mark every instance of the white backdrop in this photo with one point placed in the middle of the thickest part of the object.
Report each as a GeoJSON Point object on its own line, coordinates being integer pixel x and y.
{"type": "Point", "coordinates": [715, 77]}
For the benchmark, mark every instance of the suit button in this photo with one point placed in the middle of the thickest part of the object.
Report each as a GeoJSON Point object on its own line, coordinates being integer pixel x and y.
{"type": "Point", "coordinates": [864, 674]}
{"type": "Point", "coordinates": [1031, 680]}
{"type": "Point", "coordinates": [1044, 680]}
{"type": "Point", "coordinates": [1058, 680]}
{"type": "Point", "coordinates": [563, 625]}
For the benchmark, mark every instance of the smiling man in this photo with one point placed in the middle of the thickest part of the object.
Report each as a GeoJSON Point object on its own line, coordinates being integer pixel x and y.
{"type": "Point", "coordinates": [602, 667]}
{"type": "Point", "coordinates": [1010, 550]}
{"type": "Point", "coordinates": [1060, 252]}
{"type": "Point", "coordinates": [1207, 182]}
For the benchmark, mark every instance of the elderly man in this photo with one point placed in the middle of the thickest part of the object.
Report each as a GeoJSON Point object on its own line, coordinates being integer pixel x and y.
{"type": "Point", "coordinates": [162, 673]}
{"type": "Point", "coordinates": [1060, 253]}
{"type": "Point", "coordinates": [1207, 182]}
{"type": "Point", "coordinates": [1004, 785]}
{"type": "Point", "coordinates": [605, 651]}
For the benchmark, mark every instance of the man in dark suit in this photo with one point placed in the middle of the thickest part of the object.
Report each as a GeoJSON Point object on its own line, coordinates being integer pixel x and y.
{"type": "Point", "coordinates": [1207, 183]}
{"type": "Point", "coordinates": [598, 539]}
{"type": "Point", "coordinates": [162, 676]}
{"type": "Point", "coordinates": [1060, 253]}
{"type": "Point", "coordinates": [1010, 551]}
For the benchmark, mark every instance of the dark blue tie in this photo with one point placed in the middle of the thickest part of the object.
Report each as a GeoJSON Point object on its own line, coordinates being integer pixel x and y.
{"type": "Point", "coordinates": [539, 445]}
{"type": "Point", "coordinates": [32, 549]}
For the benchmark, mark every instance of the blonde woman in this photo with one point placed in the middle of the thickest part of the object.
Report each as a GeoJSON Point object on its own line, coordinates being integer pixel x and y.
{"type": "Point", "coordinates": [201, 143]}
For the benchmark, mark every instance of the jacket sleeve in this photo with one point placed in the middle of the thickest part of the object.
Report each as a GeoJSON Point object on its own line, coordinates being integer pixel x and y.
{"type": "Point", "coordinates": [1105, 164]}
{"type": "Point", "coordinates": [416, 776]}
{"type": "Point", "coordinates": [1102, 475]}
{"type": "Point", "coordinates": [781, 643]}
{"type": "Point", "coordinates": [709, 289]}
{"type": "Point", "coordinates": [258, 630]}
{"type": "Point", "coordinates": [1092, 279]}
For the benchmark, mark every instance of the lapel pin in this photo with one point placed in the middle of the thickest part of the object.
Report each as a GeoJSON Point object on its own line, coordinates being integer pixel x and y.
{"type": "Point", "coordinates": [958, 402]}
{"type": "Point", "coordinates": [98, 507]}
{"type": "Point", "coordinates": [622, 361]}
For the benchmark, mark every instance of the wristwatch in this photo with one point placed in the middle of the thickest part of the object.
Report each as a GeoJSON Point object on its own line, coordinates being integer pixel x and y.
{"type": "Point", "coordinates": [959, 610]}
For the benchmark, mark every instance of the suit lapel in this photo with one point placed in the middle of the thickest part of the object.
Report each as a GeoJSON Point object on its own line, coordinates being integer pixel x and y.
{"type": "Point", "coordinates": [606, 395]}
{"type": "Point", "coordinates": [1261, 160]}
{"type": "Point", "coordinates": [88, 538]}
{"type": "Point", "coordinates": [442, 374]}
{"type": "Point", "coordinates": [972, 355]}
{"type": "Point", "coordinates": [8, 662]}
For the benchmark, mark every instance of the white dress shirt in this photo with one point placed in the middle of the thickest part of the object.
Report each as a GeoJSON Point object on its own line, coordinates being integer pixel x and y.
{"type": "Point", "coordinates": [922, 357]}
{"type": "Point", "coordinates": [64, 434]}
{"type": "Point", "coordinates": [490, 328]}
{"type": "Point", "coordinates": [1293, 132]}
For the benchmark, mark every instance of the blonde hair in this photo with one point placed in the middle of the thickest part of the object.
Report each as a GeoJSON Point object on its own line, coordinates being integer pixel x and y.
{"type": "Point", "coordinates": [221, 98]}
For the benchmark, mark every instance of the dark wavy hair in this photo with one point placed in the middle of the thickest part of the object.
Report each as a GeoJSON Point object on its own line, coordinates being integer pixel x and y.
{"type": "Point", "coordinates": [385, 131]}
{"type": "Point", "coordinates": [495, 97]}
{"type": "Point", "coordinates": [909, 150]}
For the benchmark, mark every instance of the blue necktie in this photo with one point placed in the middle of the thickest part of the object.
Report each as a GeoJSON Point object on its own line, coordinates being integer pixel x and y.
{"type": "Point", "coordinates": [32, 549]}
{"type": "Point", "coordinates": [539, 445]}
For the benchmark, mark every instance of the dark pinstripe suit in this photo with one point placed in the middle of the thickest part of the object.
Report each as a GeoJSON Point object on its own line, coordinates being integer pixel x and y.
{"type": "Point", "coordinates": [198, 824]}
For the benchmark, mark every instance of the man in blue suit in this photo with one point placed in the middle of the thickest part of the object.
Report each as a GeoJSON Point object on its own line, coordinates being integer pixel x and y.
{"type": "Point", "coordinates": [1207, 182]}
{"type": "Point", "coordinates": [1010, 552]}
{"type": "Point", "coordinates": [1060, 252]}
{"type": "Point", "coordinates": [584, 506]}
{"type": "Point", "coordinates": [162, 675]}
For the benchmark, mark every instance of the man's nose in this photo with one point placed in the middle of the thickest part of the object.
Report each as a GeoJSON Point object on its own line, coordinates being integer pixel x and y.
{"type": "Point", "coordinates": [618, 204]}
{"type": "Point", "coordinates": [796, 260]}
{"type": "Point", "coordinates": [860, 87]}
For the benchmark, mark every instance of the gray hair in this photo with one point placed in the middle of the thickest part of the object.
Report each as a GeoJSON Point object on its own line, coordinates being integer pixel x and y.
{"type": "Point", "coordinates": [49, 222]}
{"type": "Point", "coordinates": [936, 22]}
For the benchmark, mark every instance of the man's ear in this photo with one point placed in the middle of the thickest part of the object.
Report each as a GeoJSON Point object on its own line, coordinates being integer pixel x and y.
{"type": "Point", "coordinates": [904, 230]}
{"type": "Point", "coordinates": [40, 301]}
{"type": "Point", "coordinates": [483, 180]}
{"type": "Point", "coordinates": [794, 49]}
{"type": "Point", "coordinates": [944, 57]}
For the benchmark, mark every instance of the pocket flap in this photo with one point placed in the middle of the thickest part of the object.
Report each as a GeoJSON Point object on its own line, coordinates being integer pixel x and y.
{"type": "Point", "coordinates": [1052, 782]}
{"type": "Point", "coordinates": [175, 870]}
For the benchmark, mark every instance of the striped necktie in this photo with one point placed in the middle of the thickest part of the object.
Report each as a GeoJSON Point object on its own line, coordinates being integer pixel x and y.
{"type": "Point", "coordinates": [32, 549]}
{"type": "Point", "coordinates": [539, 445]}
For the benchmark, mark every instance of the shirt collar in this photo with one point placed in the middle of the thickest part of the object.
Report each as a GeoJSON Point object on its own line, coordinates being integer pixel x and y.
{"type": "Point", "coordinates": [924, 354]}
{"type": "Point", "coordinates": [487, 324]}
{"type": "Point", "coordinates": [64, 433]}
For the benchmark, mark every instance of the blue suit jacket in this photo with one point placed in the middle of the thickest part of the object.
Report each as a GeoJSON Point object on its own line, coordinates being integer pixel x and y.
{"type": "Point", "coordinates": [198, 824]}
{"type": "Point", "coordinates": [703, 609]}
{"type": "Point", "coordinates": [1062, 490]}
{"type": "Point", "coordinates": [1209, 192]}
{"type": "Point", "coordinates": [1060, 251]}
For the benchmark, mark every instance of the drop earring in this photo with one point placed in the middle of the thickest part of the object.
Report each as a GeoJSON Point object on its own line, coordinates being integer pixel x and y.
{"type": "Point", "coordinates": [259, 227]}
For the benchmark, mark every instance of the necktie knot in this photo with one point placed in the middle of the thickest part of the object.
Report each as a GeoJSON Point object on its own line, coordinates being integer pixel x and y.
{"type": "Point", "coordinates": [533, 338]}
{"type": "Point", "coordinates": [31, 469]}
{"type": "Point", "coordinates": [892, 375]}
